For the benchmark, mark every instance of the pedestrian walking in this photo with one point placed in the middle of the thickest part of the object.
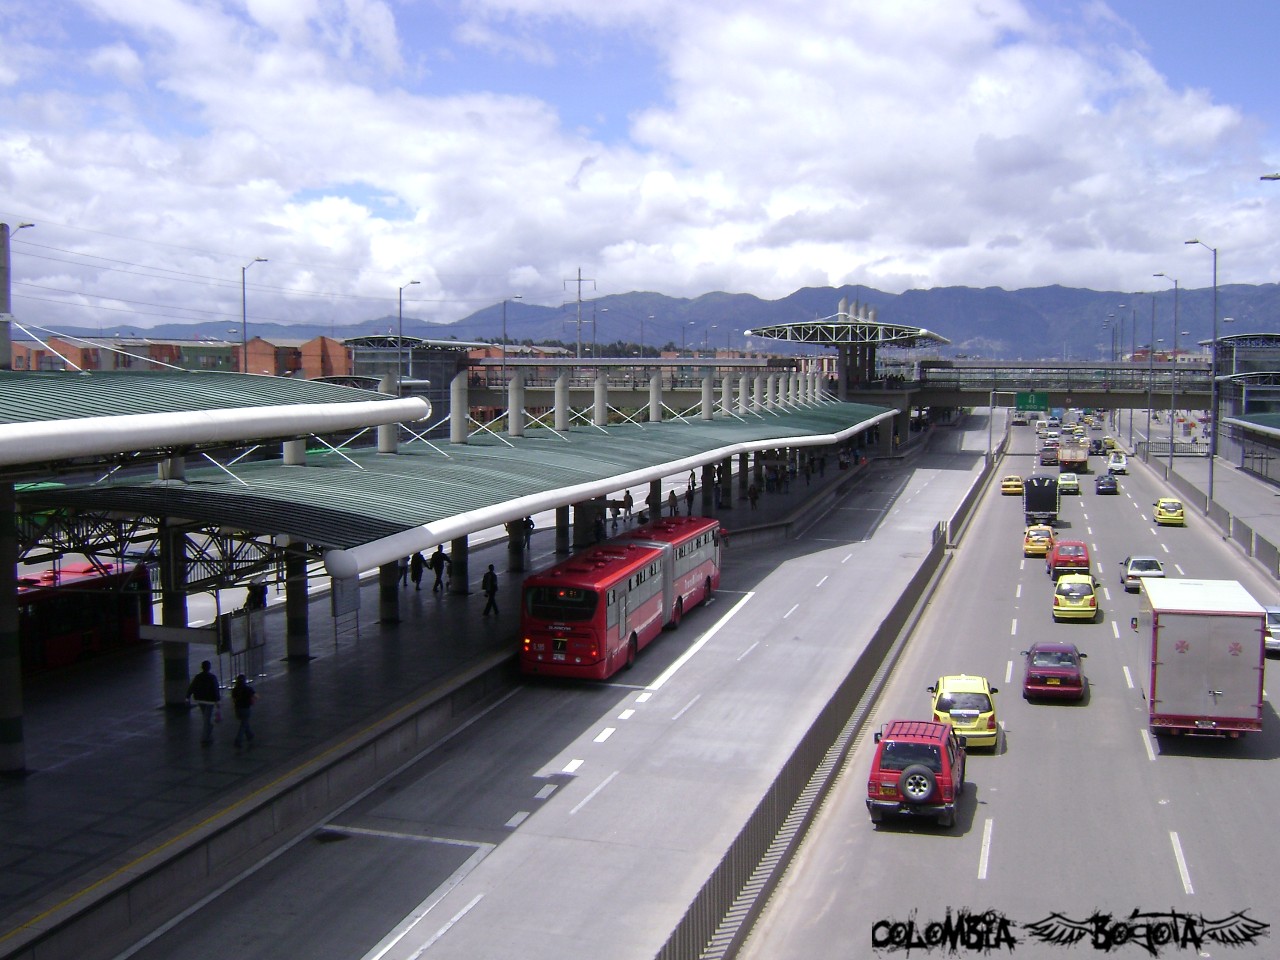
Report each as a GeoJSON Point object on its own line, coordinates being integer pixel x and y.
{"type": "Point", "coordinates": [673, 505]}
{"type": "Point", "coordinates": [439, 563]}
{"type": "Point", "coordinates": [404, 571]}
{"type": "Point", "coordinates": [528, 530]}
{"type": "Point", "coordinates": [489, 587]}
{"type": "Point", "coordinates": [693, 479]}
{"type": "Point", "coordinates": [242, 700]}
{"type": "Point", "coordinates": [753, 494]}
{"type": "Point", "coordinates": [416, 565]}
{"type": "Point", "coordinates": [627, 503]}
{"type": "Point", "coordinates": [205, 693]}
{"type": "Point", "coordinates": [688, 501]}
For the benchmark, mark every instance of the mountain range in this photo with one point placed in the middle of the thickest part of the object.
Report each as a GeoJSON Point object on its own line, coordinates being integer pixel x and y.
{"type": "Point", "coordinates": [1035, 323]}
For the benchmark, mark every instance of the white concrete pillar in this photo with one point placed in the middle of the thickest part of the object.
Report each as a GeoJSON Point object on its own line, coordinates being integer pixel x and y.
{"type": "Point", "coordinates": [515, 405]}
{"type": "Point", "coordinates": [388, 433]}
{"type": "Point", "coordinates": [655, 397]}
{"type": "Point", "coordinates": [708, 397]}
{"type": "Point", "coordinates": [600, 412]}
{"type": "Point", "coordinates": [562, 411]}
{"type": "Point", "coordinates": [294, 453]}
{"type": "Point", "coordinates": [458, 406]}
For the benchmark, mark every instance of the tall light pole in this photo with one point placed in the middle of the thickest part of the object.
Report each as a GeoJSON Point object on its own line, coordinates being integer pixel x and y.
{"type": "Point", "coordinates": [244, 316]}
{"type": "Point", "coordinates": [1213, 371]}
{"type": "Point", "coordinates": [1173, 376]}
{"type": "Point", "coordinates": [504, 338]}
{"type": "Point", "coordinates": [642, 335]}
{"type": "Point", "coordinates": [400, 332]}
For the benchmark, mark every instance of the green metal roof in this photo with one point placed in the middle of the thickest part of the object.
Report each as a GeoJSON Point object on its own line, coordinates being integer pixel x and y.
{"type": "Point", "coordinates": [32, 396]}
{"type": "Point", "coordinates": [338, 505]}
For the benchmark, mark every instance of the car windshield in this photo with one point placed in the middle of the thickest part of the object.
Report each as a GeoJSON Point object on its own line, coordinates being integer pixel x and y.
{"type": "Point", "coordinates": [1037, 534]}
{"type": "Point", "coordinates": [950, 702]}
{"type": "Point", "coordinates": [1170, 505]}
{"type": "Point", "coordinates": [1053, 658]}
{"type": "Point", "coordinates": [1070, 550]}
{"type": "Point", "coordinates": [1076, 590]}
{"type": "Point", "coordinates": [898, 755]}
{"type": "Point", "coordinates": [1143, 566]}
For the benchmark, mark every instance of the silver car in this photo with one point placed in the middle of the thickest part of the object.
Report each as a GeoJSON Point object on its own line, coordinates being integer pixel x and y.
{"type": "Point", "coordinates": [1273, 629]}
{"type": "Point", "coordinates": [1133, 569]}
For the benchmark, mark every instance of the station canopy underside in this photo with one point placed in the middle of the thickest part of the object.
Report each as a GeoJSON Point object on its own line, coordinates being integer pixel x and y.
{"type": "Point", "coordinates": [833, 332]}
{"type": "Point", "coordinates": [433, 492]}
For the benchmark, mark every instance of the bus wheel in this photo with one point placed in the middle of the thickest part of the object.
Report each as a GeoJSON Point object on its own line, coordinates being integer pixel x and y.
{"type": "Point", "coordinates": [631, 651]}
{"type": "Point", "coordinates": [707, 591]}
{"type": "Point", "coordinates": [677, 613]}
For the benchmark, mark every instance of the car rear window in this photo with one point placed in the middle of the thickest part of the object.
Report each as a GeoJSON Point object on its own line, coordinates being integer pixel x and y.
{"type": "Point", "coordinates": [1068, 550]}
{"type": "Point", "coordinates": [1076, 590]}
{"type": "Point", "coordinates": [1052, 658]}
{"type": "Point", "coordinates": [898, 755]}
{"type": "Point", "coordinates": [964, 701]}
{"type": "Point", "coordinates": [1142, 566]}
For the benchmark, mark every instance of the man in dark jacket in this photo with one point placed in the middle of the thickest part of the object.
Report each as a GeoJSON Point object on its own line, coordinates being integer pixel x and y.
{"type": "Point", "coordinates": [204, 691]}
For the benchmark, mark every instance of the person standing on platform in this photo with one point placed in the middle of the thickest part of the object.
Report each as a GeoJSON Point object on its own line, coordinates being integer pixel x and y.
{"type": "Point", "coordinates": [242, 700]}
{"type": "Point", "coordinates": [416, 566]}
{"type": "Point", "coordinates": [688, 500]}
{"type": "Point", "coordinates": [673, 505]}
{"type": "Point", "coordinates": [204, 692]}
{"type": "Point", "coordinates": [489, 587]}
{"type": "Point", "coordinates": [438, 563]}
{"type": "Point", "coordinates": [627, 503]}
{"type": "Point", "coordinates": [404, 571]}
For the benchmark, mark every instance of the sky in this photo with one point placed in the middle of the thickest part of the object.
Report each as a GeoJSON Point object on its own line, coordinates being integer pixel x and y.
{"type": "Point", "coordinates": [489, 149]}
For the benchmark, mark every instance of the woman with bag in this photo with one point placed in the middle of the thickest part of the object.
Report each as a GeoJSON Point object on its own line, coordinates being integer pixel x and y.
{"type": "Point", "coordinates": [242, 700]}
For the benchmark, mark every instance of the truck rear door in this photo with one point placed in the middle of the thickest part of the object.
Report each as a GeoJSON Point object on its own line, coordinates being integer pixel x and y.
{"type": "Point", "coordinates": [1208, 666]}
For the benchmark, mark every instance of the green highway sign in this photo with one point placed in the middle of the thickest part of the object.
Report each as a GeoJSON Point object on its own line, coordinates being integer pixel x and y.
{"type": "Point", "coordinates": [1032, 401]}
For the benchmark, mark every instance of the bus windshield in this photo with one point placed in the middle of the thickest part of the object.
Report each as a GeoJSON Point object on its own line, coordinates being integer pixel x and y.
{"type": "Point", "coordinates": [560, 604]}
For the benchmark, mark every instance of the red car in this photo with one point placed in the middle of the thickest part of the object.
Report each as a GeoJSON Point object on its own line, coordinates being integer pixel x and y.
{"type": "Point", "coordinates": [917, 771]}
{"type": "Point", "coordinates": [1067, 556]}
{"type": "Point", "coordinates": [1053, 670]}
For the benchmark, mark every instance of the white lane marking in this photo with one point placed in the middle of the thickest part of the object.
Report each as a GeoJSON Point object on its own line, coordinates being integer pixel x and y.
{"type": "Point", "coordinates": [821, 582]}
{"type": "Point", "coordinates": [545, 792]}
{"type": "Point", "coordinates": [1022, 565]}
{"type": "Point", "coordinates": [445, 929]}
{"type": "Point", "coordinates": [1182, 863]}
{"type": "Point", "coordinates": [1128, 678]}
{"type": "Point", "coordinates": [1178, 567]}
{"type": "Point", "coordinates": [1013, 630]}
{"type": "Point", "coordinates": [847, 558]}
{"type": "Point", "coordinates": [698, 645]}
{"type": "Point", "coordinates": [626, 714]}
{"type": "Point", "coordinates": [1017, 594]}
{"type": "Point", "coordinates": [1115, 630]}
{"type": "Point", "coordinates": [986, 850]}
{"type": "Point", "coordinates": [643, 698]}
{"type": "Point", "coordinates": [1146, 744]}
{"type": "Point", "coordinates": [686, 707]}
{"type": "Point", "coordinates": [748, 650]}
{"type": "Point", "coordinates": [1164, 547]}
{"type": "Point", "coordinates": [573, 765]}
{"type": "Point", "coordinates": [591, 796]}
{"type": "Point", "coordinates": [793, 609]}
{"type": "Point", "coordinates": [1106, 592]}
{"type": "Point", "coordinates": [1088, 530]}
{"type": "Point", "coordinates": [605, 734]}
{"type": "Point", "coordinates": [1008, 671]}
{"type": "Point", "coordinates": [519, 818]}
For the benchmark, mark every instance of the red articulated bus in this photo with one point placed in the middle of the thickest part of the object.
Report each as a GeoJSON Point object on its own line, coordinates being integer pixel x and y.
{"type": "Point", "coordinates": [590, 615]}
{"type": "Point", "coordinates": [80, 611]}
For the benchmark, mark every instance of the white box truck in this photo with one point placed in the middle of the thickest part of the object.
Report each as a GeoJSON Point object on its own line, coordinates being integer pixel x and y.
{"type": "Point", "coordinates": [1205, 641]}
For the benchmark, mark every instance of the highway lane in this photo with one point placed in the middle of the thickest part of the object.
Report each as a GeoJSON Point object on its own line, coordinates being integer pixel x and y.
{"type": "Point", "coordinates": [1081, 810]}
{"type": "Point", "coordinates": [579, 820]}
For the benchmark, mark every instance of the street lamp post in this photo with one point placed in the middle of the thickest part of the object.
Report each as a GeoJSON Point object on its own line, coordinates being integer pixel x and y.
{"type": "Point", "coordinates": [244, 316]}
{"type": "Point", "coordinates": [1213, 371]}
{"type": "Point", "coordinates": [504, 337]}
{"type": "Point", "coordinates": [400, 334]}
{"type": "Point", "coordinates": [1173, 375]}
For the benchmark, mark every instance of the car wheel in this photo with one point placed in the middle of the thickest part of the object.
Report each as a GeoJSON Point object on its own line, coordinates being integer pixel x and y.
{"type": "Point", "coordinates": [631, 652]}
{"type": "Point", "coordinates": [917, 783]}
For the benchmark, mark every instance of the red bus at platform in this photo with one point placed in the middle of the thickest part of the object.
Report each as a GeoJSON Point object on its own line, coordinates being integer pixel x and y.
{"type": "Point", "coordinates": [590, 615]}
{"type": "Point", "coordinates": [81, 610]}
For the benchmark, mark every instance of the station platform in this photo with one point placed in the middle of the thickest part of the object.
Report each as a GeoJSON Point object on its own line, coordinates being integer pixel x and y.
{"type": "Point", "coordinates": [112, 772]}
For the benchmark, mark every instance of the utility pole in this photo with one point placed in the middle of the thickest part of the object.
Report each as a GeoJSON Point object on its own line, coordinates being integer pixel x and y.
{"type": "Point", "coordinates": [580, 281]}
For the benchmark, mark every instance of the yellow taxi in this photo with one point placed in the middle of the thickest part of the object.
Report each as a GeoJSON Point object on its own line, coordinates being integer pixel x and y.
{"type": "Point", "coordinates": [1038, 540]}
{"type": "Point", "coordinates": [1080, 433]}
{"type": "Point", "coordinates": [1109, 442]}
{"type": "Point", "coordinates": [1169, 512]}
{"type": "Point", "coordinates": [1011, 485]}
{"type": "Point", "coordinates": [1075, 597]}
{"type": "Point", "coordinates": [968, 704]}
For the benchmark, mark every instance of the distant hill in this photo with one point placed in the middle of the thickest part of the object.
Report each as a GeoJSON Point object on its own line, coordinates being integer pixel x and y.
{"type": "Point", "coordinates": [990, 322]}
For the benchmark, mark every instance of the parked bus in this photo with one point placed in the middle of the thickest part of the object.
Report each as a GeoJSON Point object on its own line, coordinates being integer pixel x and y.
{"type": "Point", "coordinates": [591, 614]}
{"type": "Point", "coordinates": [78, 611]}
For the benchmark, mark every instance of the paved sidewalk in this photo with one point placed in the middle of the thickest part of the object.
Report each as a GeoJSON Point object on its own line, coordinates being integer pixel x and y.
{"type": "Point", "coordinates": [110, 767]}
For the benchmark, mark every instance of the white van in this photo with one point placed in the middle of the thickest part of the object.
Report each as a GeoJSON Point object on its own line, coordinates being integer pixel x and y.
{"type": "Point", "coordinates": [1041, 427]}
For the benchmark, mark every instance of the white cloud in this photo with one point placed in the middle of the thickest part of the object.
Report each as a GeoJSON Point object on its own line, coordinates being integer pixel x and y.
{"type": "Point", "coordinates": [889, 144]}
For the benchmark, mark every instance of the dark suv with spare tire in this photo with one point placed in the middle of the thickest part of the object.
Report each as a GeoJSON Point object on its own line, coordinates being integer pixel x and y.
{"type": "Point", "coordinates": [917, 771]}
